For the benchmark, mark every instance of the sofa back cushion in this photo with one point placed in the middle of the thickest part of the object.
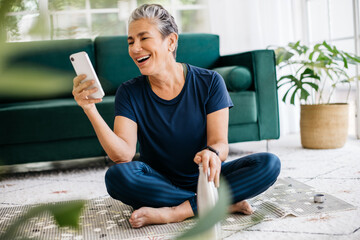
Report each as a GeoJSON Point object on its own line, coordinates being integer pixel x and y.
{"type": "Point", "coordinates": [198, 49]}
{"type": "Point", "coordinates": [114, 65]}
{"type": "Point", "coordinates": [41, 58]}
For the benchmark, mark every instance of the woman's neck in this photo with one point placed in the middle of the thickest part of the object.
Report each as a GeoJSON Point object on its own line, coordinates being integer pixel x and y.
{"type": "Point", "coordinates": [169, 82]}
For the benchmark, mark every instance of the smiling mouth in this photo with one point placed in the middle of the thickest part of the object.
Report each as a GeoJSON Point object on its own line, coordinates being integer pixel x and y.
{"type": "Point", "coordinates": [143, 59]}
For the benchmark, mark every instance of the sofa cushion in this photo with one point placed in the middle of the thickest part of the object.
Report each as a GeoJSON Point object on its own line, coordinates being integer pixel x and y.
{"type": "Point", "coordinates": [244, 110]}
{"type": "Point", "coordinates": [44, 56]}
{"type": "Point", "coordinates": [50, 150]}
{"type": "Point", "coordinates": [237, 78]}
{"type": "Point", "coordinates": [198, 49]}
{"type": "Point", "coordinates": [244, 132]}
{"type": "Point", "coordinates": [48, 120]}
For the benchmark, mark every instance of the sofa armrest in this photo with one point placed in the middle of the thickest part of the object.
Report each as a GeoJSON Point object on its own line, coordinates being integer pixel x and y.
{"type": "Point", "coordinates": [261, 64]}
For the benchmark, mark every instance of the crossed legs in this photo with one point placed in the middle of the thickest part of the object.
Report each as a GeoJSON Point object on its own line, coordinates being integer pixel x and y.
{"type": "Point", "coordinates": [158, 201]}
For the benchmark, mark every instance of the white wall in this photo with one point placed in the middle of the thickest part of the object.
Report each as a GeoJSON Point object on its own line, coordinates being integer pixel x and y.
{"type": "Point", "coordinates": [245, 25]}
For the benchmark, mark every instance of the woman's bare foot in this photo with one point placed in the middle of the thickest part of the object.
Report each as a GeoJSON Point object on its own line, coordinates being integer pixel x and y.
{"type": "Point", "coordinates": [147, 215]}
{"type": "Point", "coordinates": [242, 207]}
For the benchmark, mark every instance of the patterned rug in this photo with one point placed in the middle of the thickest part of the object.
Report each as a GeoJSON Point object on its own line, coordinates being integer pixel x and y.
{"type": "Point", "coordinates": [106, 218]}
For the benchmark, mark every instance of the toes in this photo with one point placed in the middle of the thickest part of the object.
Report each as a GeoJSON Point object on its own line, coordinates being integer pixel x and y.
{"type": "Point", "coordinates": [133, 216]}
{"type": "Point", "coordinates": [136, 223]}
{"type": "Point", "coordinates": [242, 207]}
{"type": "Point", "coordinates": [137, 219]}
{"type": "Point", "coordinates": [248, 211]}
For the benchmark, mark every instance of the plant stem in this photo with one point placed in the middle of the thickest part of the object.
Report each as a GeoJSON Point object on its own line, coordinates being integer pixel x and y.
{"type": "Point", "coordinates": [322, 90]}
{"type": "Point", "coordinates": [348, 94]}
{"type": "Point", "coordinates": [334, 86]}
{"type": "Point", "coordinates": [331, 93]}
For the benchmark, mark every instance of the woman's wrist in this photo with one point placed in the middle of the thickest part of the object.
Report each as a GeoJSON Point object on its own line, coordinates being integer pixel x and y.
{"type": "Point", "coordinates": [212, 150]}
{"type": "Point", "coordinates": [90, 110]}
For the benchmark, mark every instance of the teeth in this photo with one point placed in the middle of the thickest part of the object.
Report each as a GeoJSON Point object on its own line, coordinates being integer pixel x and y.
{"type": "Point", "coordinates": [142, 58]}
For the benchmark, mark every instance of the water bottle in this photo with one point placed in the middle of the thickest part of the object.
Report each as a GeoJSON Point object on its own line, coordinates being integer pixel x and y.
{"type": "Point", "coordinates": [207, 196]}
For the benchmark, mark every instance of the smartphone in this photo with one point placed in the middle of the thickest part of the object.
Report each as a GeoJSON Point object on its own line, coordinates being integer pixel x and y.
{"type": "Point", "coordinates": [82, 65]}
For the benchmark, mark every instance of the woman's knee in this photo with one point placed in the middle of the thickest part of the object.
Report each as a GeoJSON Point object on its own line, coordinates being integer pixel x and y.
{"type": "Point", "coordinates": [272, 163]}
{"type": "Point", "coordinates": [117, 175]}
{"type": "Point", "coordinates": [124, 175]}
{"type": "Point", "coordinates": [120, 180]}
{"type": "Point", "coordinates": [110, 178]}
{"type": "Point", "coordinates": [112, 173]}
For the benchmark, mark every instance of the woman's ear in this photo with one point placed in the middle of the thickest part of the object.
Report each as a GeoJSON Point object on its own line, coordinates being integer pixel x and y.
{"type": "Point", "coordinates": [173, 39]}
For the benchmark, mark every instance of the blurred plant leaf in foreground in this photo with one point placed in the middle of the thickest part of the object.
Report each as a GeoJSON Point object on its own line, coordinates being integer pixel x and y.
{"type": "Point", "coordinates": [26, 81]}
{"type": "Point", "coordinates": [215, 215]}
{"type": "Point", "coordinates": [65, 214]}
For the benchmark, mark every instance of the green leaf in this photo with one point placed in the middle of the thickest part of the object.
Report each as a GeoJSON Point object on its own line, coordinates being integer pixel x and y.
{"type": "Point", "coordinates": [285, 83]}
{"type": "Point", "coordinates": [309, 73]}
{"type": "Point", "coordinates": [351, 79]}
{"type": "Point", "coordinates": [282, 55]}
{"type": "Point", "coordinates": [322, 63]}
{"type": "Point", "coordinates": [287, 92]}
{"type": "Point", "coordinates": [313, 85]}
{"type": "Point", "coordinates": [304, 94]}
{"type": "Point", "coordinates": [327, 46]}
{"type": "Point", "coordinates": [67, 214]}
{"type": "Point", "coordinates": [291, 77]}
{"type": "Point", "coordinates": [292, 99]}
{"type": "Point", "coordinates": [29, 81]}
{"type": "Point", "coordinates": [305, 48]}
{"type": "Point", "coordinates": [335, 50]}
{"type": "Point", "coordinates": [304, 65]}
{"type": "Point", "coordinates": [5, 6]}
{"type": "Point", "coordinates": [215, 215]}
{"type": "Point", "coordinates": [354, 58]}
{"type": "Point", "coordinates": [317, 46]}
{"type": "Point", "coordinates": [323, 58]}
{"type": "Point", "coordinates": [345, 61]}
{"type": "Point", "coordinates": [311, 55]}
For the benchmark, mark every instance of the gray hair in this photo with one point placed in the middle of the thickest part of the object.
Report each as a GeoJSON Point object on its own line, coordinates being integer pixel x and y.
{"type": "Point", "coordinates": [162, 18]}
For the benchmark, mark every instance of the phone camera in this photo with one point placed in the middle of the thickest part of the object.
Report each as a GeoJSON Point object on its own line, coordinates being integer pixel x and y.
{"type": "Point", "coordinates": [72, 59]}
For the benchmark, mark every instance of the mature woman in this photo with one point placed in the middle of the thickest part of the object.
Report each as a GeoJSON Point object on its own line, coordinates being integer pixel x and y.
{"type": "Point", "coordinates": [179, 114]}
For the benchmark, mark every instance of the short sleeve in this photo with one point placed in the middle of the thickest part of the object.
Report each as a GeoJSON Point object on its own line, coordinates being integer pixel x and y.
{"type": "Point", "coordinates": [123, 106]}
{"type": "Point", "coordinates": [219, 97]}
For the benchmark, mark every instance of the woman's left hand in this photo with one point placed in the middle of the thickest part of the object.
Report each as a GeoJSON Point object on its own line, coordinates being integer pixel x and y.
{"type": "Point", "coordinates": [210, 160]}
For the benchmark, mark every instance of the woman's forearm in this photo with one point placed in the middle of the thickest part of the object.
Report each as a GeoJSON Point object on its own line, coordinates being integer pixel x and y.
{"type": "Point", "coordinates": [116, 148]}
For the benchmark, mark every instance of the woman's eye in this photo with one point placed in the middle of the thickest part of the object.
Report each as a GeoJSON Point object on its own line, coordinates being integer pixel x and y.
{"type": "Point", "coordinates": [130, 43]}
{"type": "Point", "coordinates": [144, 38]}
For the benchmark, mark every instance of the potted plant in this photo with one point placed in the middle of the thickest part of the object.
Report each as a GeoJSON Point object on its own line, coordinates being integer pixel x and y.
{"type": "Point", "coordinates": [315, 73]}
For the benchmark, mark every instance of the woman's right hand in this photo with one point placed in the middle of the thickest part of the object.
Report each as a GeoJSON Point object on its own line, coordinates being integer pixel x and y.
{"type": "Point", "coordinates": [81, 94]}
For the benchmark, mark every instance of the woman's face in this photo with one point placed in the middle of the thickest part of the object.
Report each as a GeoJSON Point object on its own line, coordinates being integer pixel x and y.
{"type": "Point", "coordinates": [147, 48]}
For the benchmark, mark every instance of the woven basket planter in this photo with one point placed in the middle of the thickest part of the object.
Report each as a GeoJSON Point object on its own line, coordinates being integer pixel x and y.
{"type": "Point", "coordinates": [324, 126]}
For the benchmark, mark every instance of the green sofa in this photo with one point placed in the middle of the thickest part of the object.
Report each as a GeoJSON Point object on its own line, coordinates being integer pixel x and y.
{"type": "Point", "coordinates": [51, 128]}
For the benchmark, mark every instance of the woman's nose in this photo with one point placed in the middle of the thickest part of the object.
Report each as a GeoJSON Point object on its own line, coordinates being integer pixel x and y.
{"type": "Point", "coordinates": [136, 46]}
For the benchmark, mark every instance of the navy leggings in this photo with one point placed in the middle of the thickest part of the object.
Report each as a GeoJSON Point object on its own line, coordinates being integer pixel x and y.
{"type": "Point", "coordinates": [138, 185]}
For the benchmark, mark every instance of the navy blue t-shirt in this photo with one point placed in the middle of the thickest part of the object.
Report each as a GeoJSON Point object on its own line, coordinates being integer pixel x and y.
{"type": "Point", "coordinates": [171, 132]}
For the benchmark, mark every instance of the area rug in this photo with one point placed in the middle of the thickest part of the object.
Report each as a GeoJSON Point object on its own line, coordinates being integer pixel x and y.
{"type": "Point", "coordinates": [105, 218]}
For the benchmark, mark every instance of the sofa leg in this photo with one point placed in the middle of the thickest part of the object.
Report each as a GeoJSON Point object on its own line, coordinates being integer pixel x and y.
{"type": "Point", "coordinates": [267, 145]}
